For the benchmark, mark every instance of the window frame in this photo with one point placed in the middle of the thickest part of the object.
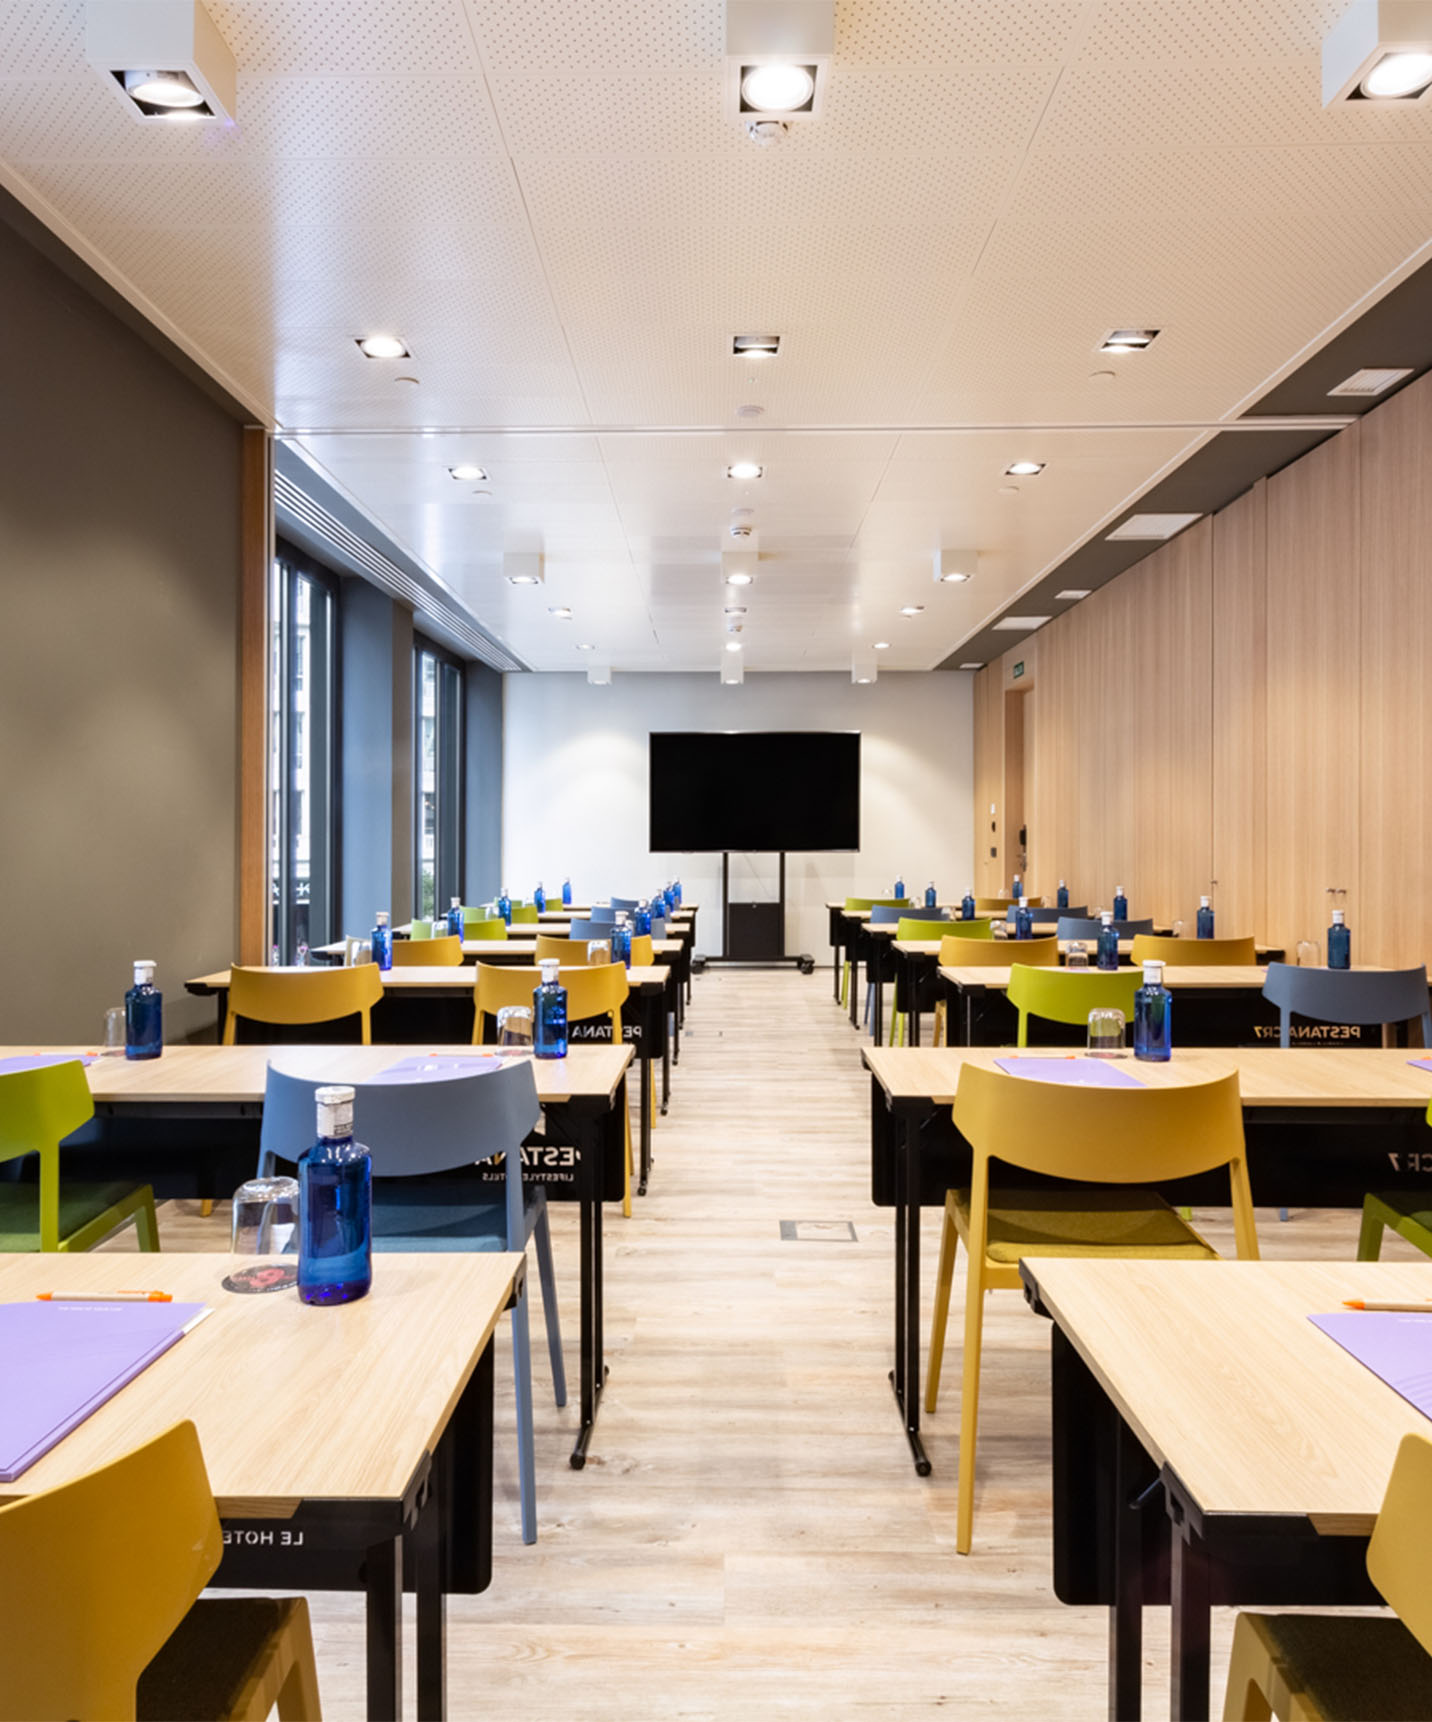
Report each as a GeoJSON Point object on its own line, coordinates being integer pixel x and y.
{"type": "Point", "coordinates": [449, 774]}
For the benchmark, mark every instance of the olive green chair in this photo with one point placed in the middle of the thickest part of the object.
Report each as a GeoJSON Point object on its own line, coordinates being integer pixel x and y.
{"type": "Point", "coordinates": [917, 929]}
{"type": "Point", "coordinates": [477, 925]}
{"type": "Point", "coordinates": [1406, 1212]}
{"type": "Point", "coordinates": [863, 906]}
{"type": "Point", "coordinates": [1068, 995]}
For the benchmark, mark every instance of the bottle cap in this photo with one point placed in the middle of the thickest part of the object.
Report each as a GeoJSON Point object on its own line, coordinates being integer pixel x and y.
{"type": "Point", "coordinates": [143, 971]}
{"type": "Point", "coordinates": [1203, 902]}
{"type": "Point", "coordinates": [1339, 916]}
{"type": "Point", "coordinates": [1063, 882]}
{"type": "Point", "coordinates": [549, 967]}
{"type": "Point", "coordinates": [382, 917]}
{"type": "Point", "coordinates": [1107, 917]}
{"type": "Point", "coordinates": [336, 1095]}
{"type": "Point", "coordinates": [1153, 973]}
{"type": "Point", "coordinates": [335, 1110]}
{"type": "Point", "coordinates": [1118, 890]}
{"type": "Point", "coordinates": [457, 902]}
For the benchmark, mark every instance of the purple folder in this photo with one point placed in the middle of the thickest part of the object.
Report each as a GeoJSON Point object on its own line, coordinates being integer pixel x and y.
{"type": "Point", "coordinates": [1396, 1345]}
{"type": "Point", "coordinates": [1083, 1072]}
{"type": "Point", "coordinates": [436, 1069]}
{"type": "Point", "coordinates": [1421, 1063]}
{"type": "Point", "coordinates": [39, 1060]}
{"type": "Point", "coordinates": [61, 1361]}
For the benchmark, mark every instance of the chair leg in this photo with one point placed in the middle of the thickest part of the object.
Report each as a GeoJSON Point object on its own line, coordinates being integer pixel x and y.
{"type": "Point", "coordinates": [206, 1207]}
{"type": "Point", "coordinates": [939, 1034]}
{"type": "Point", "coordinates": [626, 1187]}
{"type": "Point", "coordinates": [1369, 1238]}
{"type": "Point", "coordinates": [1250, 1671]}
{"type": "Point", "coordinates": [146, 1223]}
{"type": "Point", "coordinates": [969, 1408]}
{"type": "Point", "coordinates": [944, 1279]}
{"type": "Point", "coordinates": [526, 1447]}
{"type": "Point", "coordinates": [542, 1232]}
{"type": "Point", "coordinates": [1282, 1213]}
{"type": "Point", "coordinates": [298, 1699]}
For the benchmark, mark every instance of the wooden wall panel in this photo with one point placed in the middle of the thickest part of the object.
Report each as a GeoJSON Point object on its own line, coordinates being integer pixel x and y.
{"type": "Point", "coordinates": [256, 541]}
{"type": "Point", "coordinates": [1240, 713]}
{"type": "Point", "coordinates": [1314, 611]}
{"type": "Point", "coordinates": [988, 776]}
{"type": "Point", "coordinates": [1391, 915]}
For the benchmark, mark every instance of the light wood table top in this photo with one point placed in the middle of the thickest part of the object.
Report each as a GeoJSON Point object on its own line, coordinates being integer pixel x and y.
{"type": "Point", "coordinates": [1218, 1371]}
{"type": "Point", "coordinates": [932, 947]}
{"type": "Point", "coordinates": [237, 1074]}
{"type": "Point", "coordinates": [1225, 976]}
{"type": "Point", "coordinates": [293, 1402]}
{"type": "Point", "coordinates": [1267, 1075]}
{"type": "Point", "coordinates": [449, 978]}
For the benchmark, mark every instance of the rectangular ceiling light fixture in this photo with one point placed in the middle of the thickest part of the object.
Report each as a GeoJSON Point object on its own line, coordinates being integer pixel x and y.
{"type": "Point", "coordinates": [1072, 594]}
{"type": "Point", "coordinates": [971, 666]}
{"type": "Point", "coordinates": [1128, 340]}
{"type": "Point", "coordinates": [165, 59]}
{"type": "Point", "coordinates": [1370, 382]}
{"type": "Point", "coordinates": [755, 346]}
{"type": "Point", "coordinates": [778, 58]}
{"type": "Point", "coordinates": [1379, 51]}
{"type": "Point", "coordinates": [1154, 527]}
{"type": "Point", "coordinates": [1020, 624]}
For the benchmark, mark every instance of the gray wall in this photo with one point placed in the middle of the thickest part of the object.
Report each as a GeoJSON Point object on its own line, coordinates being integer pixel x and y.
{"type": "Point", "coordinates": [482, 844]}
{"type": "Point", "coordinates": [119, 569]}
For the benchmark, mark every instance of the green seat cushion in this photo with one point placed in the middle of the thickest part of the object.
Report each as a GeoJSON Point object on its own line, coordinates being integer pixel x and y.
{"type": "Point", "coordinates": [79, 1204]}
{"type": "Point", "coordinates": [1111, 1219]}
{"type": "Point", "coordinates": [209, 1658]}
{"type": "Point", "coordinates": [1368, 1669]}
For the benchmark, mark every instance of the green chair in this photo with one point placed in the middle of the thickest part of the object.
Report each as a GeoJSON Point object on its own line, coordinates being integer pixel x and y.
{"type": "Point", "coordinates": [524, 913]}
{"type": "Point", "coordinates": [477, 925]}
{"type": "Point", "coordinates": [914, 929]}
{"type": "Point", "coordinates": [38, 1108]}
{"type": "Point", "coordinates": [1068, 995]}
{"type": "Point", "coordinates": [863, 906]}
{"type": "Point", "coordinates": [1406, 1212]}
{"type": "Point", "coordinates": [418, 929]}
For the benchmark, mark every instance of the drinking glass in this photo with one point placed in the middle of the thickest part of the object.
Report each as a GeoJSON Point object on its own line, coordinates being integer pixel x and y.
{"type": "Point", "coordinates": [1310, 954]}
{"type": "Point", "coordinates": [265, 1220]}
{"type": "Point", "coordinates": [113, 1032]}
{"type": "Point", "coordinates": [1106, 1034]}
{"type": "Point", "coordinates": [1078, 956]}
{"type": "Point", "coordinates": [514, 1028]}
{"type": "Point", "coordinates": [1178, 929]}
{"type": "Point", "coordinates": [598, 951]}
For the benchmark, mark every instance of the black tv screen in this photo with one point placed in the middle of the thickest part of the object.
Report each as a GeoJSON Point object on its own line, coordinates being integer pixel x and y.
{"type": "Point", "coordinates": [755, 790]}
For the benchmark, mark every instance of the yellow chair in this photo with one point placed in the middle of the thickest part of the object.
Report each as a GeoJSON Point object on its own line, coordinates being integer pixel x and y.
{"type": "Point", "coordinates": [643, 954]}
{"type": "Point", "coordinates": [483, 927]}
{"type": "Point", "coordinates": [596, 991]}
{"type": "Point", "coordinates": [99, 1590]}
{"type": "Point", "coordinates": [1194, 953]}
{"type": "Point", "coordinates": [38, 1109]}
{"type": "Point", "coordinates": [440, 953]}
{"type": "Point", "coordinates": [556, 946]}
{"type": "Point", "coordinates": [926, 930]}
{"type": "Point", "coordinates": [1124, 1137]}
{"type": "Point", "coordinates": [863, 906]}
{"type": "Point", "coordinates": [959, 952]}
{"type": "Point", "coordinates": [291, 996]}
{"type": "Point", "coordinates": [1001, 905]}
{"type": "Point", "coordinates": [1068, 995]}
{"type": "Point", "coordinates": [1303, 1667]}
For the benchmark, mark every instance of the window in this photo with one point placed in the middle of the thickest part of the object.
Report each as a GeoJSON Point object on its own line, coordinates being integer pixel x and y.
{"type": "Point", "coordinates": [437, 778]}
{"type": "Point", "coordinates": [302, 702]}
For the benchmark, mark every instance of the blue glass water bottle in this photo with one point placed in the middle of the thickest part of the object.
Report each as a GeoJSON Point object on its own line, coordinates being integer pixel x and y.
{"type": "Point", "coordinates": [566, 893]}
{"type": "Point", "coordinates": [549, 1013]}
{"type": "Point", "coordinates": [1339, 942]}
{"type": "Point", "coordinates": [621, 941]}
{"type": "Point", "coordinates": [143, 1015]}
{"type": "Point", "coordinates": [383, 941]}
{"type": "Point", "coordinates": [899, 890]}
{"type": "Point", "coordinates": [504, 906]}
{"type": "Point", "coordinates": [1062, 900]}
{"type": "Point", "coordinates": [539, 898]}
{"type": "Point", "coordinates": [676, 893]}
{"type": "Point", "coordinates": [1121, 904]}
{"type": "Point", "coordinates": [1023, 921]}
{"type": "Point", "coordinates": [1205, 917]}
{"type": "Point", "coordinates": [335, 1207]}
{"type": "Point", "coordinates": [642, 917]}
{"type": "Point", "coordinates": [932, 896]}
{"type": "Point", "coordinates": [1107, 952]}
{"type": "Point", "coordinates": [454, 918]}
{"type": "Point", "coordinates": [1153, 1017]}
{"type": "Point", "coordinates": [967, 906]}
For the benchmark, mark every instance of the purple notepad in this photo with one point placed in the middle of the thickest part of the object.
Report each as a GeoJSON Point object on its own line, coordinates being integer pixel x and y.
{"type": "Point", "coordinates": [40, 1060]}
{"type": "Point", "coordinates": [1421, 1063]}
{"type": "Point", "coordinates": [1083, 1072]}
{"type": "Point", "coordinates": [1395, 1345]}
{"type": "Point", "coordinates": [436, 1068]}
{"type": "Point", "coordinates": [61, 1361]}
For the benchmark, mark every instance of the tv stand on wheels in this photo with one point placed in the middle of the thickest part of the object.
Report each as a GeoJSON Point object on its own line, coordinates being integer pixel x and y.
{"type": "Point", "coordinates": [753, 935]}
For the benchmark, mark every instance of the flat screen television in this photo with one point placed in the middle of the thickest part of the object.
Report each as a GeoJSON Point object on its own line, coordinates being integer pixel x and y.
{"type": "Point", "coordinates": [757, 791]}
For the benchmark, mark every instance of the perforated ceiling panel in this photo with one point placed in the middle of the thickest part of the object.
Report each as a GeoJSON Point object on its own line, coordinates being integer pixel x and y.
{"type": "Point", "coordinates": [548, 202]}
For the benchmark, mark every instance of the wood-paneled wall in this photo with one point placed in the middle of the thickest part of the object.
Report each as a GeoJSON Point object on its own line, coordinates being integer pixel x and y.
{"type": "Point", "coordinates": [1251, 704]}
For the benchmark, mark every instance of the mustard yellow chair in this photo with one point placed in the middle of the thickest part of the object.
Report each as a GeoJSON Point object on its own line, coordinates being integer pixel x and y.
{"type": "Point", "coordinates": [925, 931]}
{"type": "Point", "coordinates": [556, 947]}
{"type": "Point", "coordinates": [863, 906]}
{"type": "Point", "coordinates": [1127, 1138]}
{"type": "Point", "coordinates": [643, 953]}
{"type": "Point", "coordinates": [38, 1109]}
{"type": "Point", "coordinates": [441, 953]}
{"type": "Point", "coordinates": [1194, 953]}
{"type": "Point", "coordinates": [1319, 1667]}
{"type": "Point", "coordinates": [99, 1591]}
{"type": "Point", "coordinates": [959, 952]}
{"type": "Point", "coordinates": [1001, 905]}
{"type": "Point", "coordinates": [594, 991]}
{"type": "Point", "coordinates": [292, 996]}
{"type": "Point", "coordinates": [1068, 995]}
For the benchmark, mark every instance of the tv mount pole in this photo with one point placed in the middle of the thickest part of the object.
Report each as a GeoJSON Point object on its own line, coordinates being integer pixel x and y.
{"type": "Point", "coordinates": [804, 962]}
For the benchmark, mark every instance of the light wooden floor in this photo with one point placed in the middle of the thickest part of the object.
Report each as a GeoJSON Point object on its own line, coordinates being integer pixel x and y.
{"type": "Point", "coordinates": [749, 1539]}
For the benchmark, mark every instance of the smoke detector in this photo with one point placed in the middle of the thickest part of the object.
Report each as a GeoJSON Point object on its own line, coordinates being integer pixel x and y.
{"type": "Point", "coordinates": [767, 132]}
{"type": "Point", "coordinates": [742, 529]}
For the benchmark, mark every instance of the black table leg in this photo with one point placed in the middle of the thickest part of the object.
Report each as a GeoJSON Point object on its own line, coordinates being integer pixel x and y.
{"type": "Point", "coordinates": [913, 977]}
{"type": "Point", "coordinates": [430, 1561]}
{"type": "Point", "coordinates": [593, 1370]}
{"type": "Point", "coordinates": [383, 1581]}
{"type": "Point", "coordinates": [1126, 1615]}
{"type": "Point", "coordinates": [875, 972]}
{"type": "Point", "coordinates": [645, 1126]}
{"type": "Point", "coordinates": [1188, 1698]}
{"type": "Point", "coordinates": [835, 972]}
{"type": "Point", "coordinates": [665, 1079]}
{"type": "Point", "coordinates": [854, 960]}
{"type": "Point", "coordinates": [905, 1377]}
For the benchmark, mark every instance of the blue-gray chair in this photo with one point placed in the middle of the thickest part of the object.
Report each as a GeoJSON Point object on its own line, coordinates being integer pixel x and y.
{"type": "Point", "coordinates": [658, 926]}
{"type": "Point", "coordinates": [626, 903]}
{"type": "Point", "coordinates": [1081, 927]}
{"type": "Point", "coordinates": [590, 929]}
{"type": "Point", "coordinates": [1352, 996]}
{"type": "Point", "coordinates": [603, 914]}
{"type": "Point", "coordinates": [882, 915]}
{"type": "Point", "coordinates": [416, 1130]}
{"type": "Point", "coordinates": [1051, 914]}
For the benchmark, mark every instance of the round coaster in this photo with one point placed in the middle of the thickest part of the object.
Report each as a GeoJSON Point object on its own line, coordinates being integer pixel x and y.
{"type": "Point", "coordinates": [262, 1277]}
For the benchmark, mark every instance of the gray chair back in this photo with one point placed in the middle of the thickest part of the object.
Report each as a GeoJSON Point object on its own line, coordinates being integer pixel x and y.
{"type": "Point", "coordinates": [590, 929]}
{"type": "Point", "coordinates": [658, 926]}
{"type": "Point", "coordinates": [1077, 927]}
{"type": "Point", "coordinates": [1357, 996]}
{"type": "Point", "coordinates": [1051, 914]}
{"type": "Point", "coordinates": [880, 916]}
{"type": "Point", "coordinates": [603, 913]}
{"type": "Point", "coordinates": [627, 903]}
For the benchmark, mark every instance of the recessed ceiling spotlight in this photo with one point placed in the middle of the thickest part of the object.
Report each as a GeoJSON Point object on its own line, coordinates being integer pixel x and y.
{"type": "Point", "coordinates": [953, 579]}
{"type": "Point", "coordinates": [755, 346]}
{"type": "Point", "coordinates": [586, 647]}
{"type": "Point", "coordinates": [1024, 469]}
{"type": "Point", "coordinates": [381, 347]}
{"type": "Point", "coordinates": [523, 580]}
{"type": "Point", "coordinates": [734, 610]}
{"type": "Point", "coordinates": [1370, 381]}
{"type": "Point", "coordinates": [560, 611]}
{"type": "Point", "coordinates": [778, 88]}
{"type": "Point", "coordinates": [862, 681]}
{"type": "Point", "coordinates": [468, 473]}
{"type": "Point", "coordinates": [733, 645]}
{"type": "Point", "coordinates": [1128, 340]}
{"type": "Point", "coordinates": [1397, 76]}
{"type": "Point", "coordinates": [744, 469]}
{"type": "Point", "coordinates": [163, 89]}
{"type": "Point", "coordinates": [739, 579]}
{"type": "Point", "coordinates": [882, 646]}
{"type": "Point", "coordinates": [1379, 51]}
{"type": "Point", "coordinates": [1071, 594]}
{"type": "Point", "coordinates": [911, 609]}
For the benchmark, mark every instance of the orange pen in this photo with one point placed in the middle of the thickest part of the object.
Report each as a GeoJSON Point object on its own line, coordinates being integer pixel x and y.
{"type": "Point", "coordinates": [1422, 1308]}
{"type": "Point", "coordinates": [106, 1297]}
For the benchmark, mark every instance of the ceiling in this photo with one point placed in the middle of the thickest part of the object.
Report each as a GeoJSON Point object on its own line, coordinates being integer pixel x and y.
{"type": "Point", "coordinates": [546, 200]}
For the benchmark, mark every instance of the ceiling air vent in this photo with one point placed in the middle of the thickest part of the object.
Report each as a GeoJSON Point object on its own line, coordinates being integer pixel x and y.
{"type": "Point", "coordinates": [1370, 382]}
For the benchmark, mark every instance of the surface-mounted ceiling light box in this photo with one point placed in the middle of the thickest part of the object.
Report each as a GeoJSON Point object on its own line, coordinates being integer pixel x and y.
{"type": "Point", "coordinates": [1152, 526]}
{"type": "Point", "coordinates": [1128, 340]}
{"type": "Point", "coordinates": [862, 670]}
{"type": "Point", "coordinates": [523, 567]}
{"type": "Point", "coordinates": [755, 346]}
{"type": "Point", "coordinates": [468, 473]}
{"type": "Point", "coordinates": [1024, 469]}
{"type": "Point", "coordinates": [137, 42]}
{"type": "Point", "coordinates": [1379, 51]}
{"type": "Point", "coordinates": [1370, 381]}
{"type": "Point", "coordinates": [1020, 624]}
{"type": "Point", "coordinates": [383, 347]}
{"type": "Point", "coordinates": [733, 670]}
{"type": "Point", "coordinates": [744, 469]}
{"type": "Point", "coordinates": [911, 609]}
{"type": "Point", "coordinates": [560, 611]}
{"type": "Point", "coordinates": [954, 567]}
{"type": "Point", "coordinates": [600, 675]}
{"type": "Point", "coordinates": [778, 58]}
{"type": "Point", "coordinates": [733, 645]}
{"type": "Point", "coordinates": [738, 567]}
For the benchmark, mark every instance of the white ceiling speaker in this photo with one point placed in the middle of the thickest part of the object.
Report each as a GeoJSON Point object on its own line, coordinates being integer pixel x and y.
{"type": "Point", "coordinates": [523, 567]}
{"type": "Point", "coordinates": [778, 56]}
{"type": "Point", "coordinates": [954, 567]}
{"type": "Point", "coordinates": [600, 675]}
{"type": "Point", "coordinates": [163, 58]}
{"type": "Point", "coordinates": [1379, 51]}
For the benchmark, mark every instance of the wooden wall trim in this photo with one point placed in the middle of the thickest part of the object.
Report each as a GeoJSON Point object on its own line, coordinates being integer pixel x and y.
{"type": "Point", "coordinates": [256, 542]}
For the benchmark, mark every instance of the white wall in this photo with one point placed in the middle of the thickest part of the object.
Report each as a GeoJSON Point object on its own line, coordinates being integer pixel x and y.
{"type": "Point", "coordinates": [575, 787]}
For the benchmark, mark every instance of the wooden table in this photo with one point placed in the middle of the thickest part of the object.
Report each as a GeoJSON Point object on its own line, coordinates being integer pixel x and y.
{"type": "Point", "coordinates": [338, 1441]}
{"type": "Point", "coordinates": [1269, 1445]}
{"type": "Point", "coordinates": [1328, 1124]}
{"type": "Point", "coordinates": [583, 1158]}
{"type": "Point", "coordinates": [430, 1005]}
